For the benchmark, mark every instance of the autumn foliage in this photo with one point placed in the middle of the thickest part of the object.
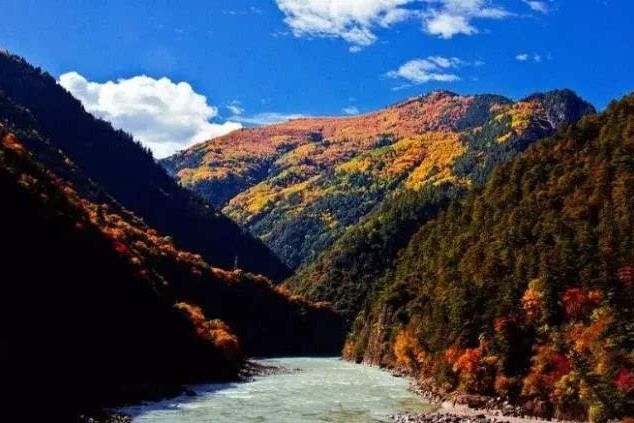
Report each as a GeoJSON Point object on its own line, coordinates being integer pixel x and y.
{"type": "Point", "coordinates": [524, 288]}
{"type": "Point", "coordinates": [215, 331]}
{"type": "Point", "coordinates": [300, 184]}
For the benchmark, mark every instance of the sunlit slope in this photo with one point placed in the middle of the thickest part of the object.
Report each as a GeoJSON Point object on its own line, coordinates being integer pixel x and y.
{"type": "Point", "coordinates": [300, 184]}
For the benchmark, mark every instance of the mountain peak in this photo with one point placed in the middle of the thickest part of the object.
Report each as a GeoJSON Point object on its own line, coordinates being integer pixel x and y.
{"type": "Point", "coordinates": [299, 184]}
{"type": "Point", "coordinates": [562, 106]}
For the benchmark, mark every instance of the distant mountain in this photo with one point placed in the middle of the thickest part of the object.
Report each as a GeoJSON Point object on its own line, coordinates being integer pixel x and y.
{"type": "Point", "coordinates": [523, 289]}
{"type": "Point", "coordinates": [99, 308]}
{"type": "Point", "coordinates": [301, 185]}
{"type": "Point", "coordinates": [351, 270]}
{"type": "Point", "coordinates": [127, 172]}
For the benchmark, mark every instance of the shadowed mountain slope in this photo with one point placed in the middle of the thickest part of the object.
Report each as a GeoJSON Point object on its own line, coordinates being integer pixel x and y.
{"type": "Point", "coordinates": [129, 173]}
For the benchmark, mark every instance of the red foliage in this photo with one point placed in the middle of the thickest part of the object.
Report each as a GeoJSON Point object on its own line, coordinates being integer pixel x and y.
{"type": "Point", "coordinates": [579, 302]}
{"type": "Point", "coordinates": [549, 366]}
{"type": "Point", "coordinates": [452, 354]}
{"type": "Point", "coordinates": [560, 366]}
{"type": "Point", "coordinates": [626, 275]}
{"type": "Point", "coordinates": [121, 248]}
{"type": "Point", "coordinates": [505, 325]}
{"type": "Point", "coordinates": [468, 361]}
{"type": "Point", "coordinates": [624, 380]}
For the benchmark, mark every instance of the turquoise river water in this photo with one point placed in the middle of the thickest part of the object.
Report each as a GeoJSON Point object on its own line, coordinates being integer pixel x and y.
{"type": "Point", "coordinates": [320, 390]}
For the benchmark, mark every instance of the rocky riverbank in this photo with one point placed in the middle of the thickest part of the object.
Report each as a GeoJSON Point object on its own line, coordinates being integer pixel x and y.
{"type": "Point", "coordinates": [464, 408]}
{"type": "Point", "coordinates": [448, 413]}
{"type": "Point", "coordinates": [444, 418]}
{"type": "Point", "coordinates": [467, 409]}
{"type": "Point", "coordinates": [105, 418]}
{"type": "Point", "coordinates": [252, 369]}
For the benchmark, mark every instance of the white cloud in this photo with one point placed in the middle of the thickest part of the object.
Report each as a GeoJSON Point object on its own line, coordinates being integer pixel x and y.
{"type": "Point", "coordinates": [446, 25]}
{"type": "Point", "coordinates": [266, 118]}
{"type": "Point", "coordinates": [351, 110]}
{"type": "Point", "coordinates": [351, 20]}
{"type": "Point", "coordinates": [356, 21]}
{"type": "Point", "coordinates": [433, 68]}
{"type": "Point", "coordinates": [538, 6]}
{"type": "Point", "coordinates": [448, 18]}
{"type": "Point", "coordinates": [235, 108]}
{"type": "Point", "coordinates": [163, 115]}
{"type": "Point", "coordinates": [525, 57]}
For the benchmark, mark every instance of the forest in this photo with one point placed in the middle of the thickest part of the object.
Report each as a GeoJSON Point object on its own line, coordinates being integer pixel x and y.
{"type": "Point", "coordinates": [523, 289]}
{"type": "Point", "coordinates": [482, 246]}
{"type": "Point", "coordinates": [102, 309]}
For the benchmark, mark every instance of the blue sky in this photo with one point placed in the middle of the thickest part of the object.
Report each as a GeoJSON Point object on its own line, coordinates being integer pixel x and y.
{"type": "Point", "coordinates": [245, 62]}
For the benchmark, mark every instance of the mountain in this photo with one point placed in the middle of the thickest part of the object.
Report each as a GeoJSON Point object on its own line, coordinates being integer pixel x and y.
{"type": "Point", "coordinates": [301, 185]}
{"type": "Point", "coordinates": [99, 308]}
{"type": "Point", "coordinates": [127, 172]}
{"type": "Point", "coordinates": [523, 289]}
{"type": "Point", "coordinates": [351, 270]}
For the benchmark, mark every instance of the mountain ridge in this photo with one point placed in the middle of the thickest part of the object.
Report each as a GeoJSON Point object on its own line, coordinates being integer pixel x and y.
{"type": "Point", "coordinates": [300, 185]}
{"type": "Point", "coordinates": [128, 316]}
{"type": "Point", "coordinates": [128, 172]}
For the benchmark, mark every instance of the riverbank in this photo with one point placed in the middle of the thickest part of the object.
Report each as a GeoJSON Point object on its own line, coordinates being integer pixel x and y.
{"type": "Point", "coordinates": [463, 408]}
{"type": "Point", "coordinates": [300, 390]}
{"type": "Point", "coordinates": [451, 413]}
{"type": "Point", "coordinates": [250, 370]}
{"type": "Point", "coordinates": [294, 390]}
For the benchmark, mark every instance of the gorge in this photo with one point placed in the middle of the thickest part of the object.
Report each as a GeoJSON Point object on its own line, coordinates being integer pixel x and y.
{"type": "Point", "coordinates": [482, 247]}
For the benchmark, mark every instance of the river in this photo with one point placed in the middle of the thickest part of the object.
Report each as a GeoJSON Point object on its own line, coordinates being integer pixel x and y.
{"type": "Point", "coordinates": [319, 390]}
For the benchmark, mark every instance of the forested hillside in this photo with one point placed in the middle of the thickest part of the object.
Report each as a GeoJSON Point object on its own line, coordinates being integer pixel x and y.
{"type": "Point", "coordinates": [129, 173]}
{"type": "Point", "coordinates": [350, 271]}
{"type": "Point", "coordinates": [99, 308]}
{"type": "Point", "coordinates": [524, 288]}
{"type": "Point", "coordinates": [300, 185]}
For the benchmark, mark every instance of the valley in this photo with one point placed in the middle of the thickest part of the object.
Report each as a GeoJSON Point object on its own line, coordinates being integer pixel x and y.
{"type": "Point", "coordinates": [478, 248]}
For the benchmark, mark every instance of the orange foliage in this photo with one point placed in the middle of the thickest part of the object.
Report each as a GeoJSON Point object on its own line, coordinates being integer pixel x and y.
{"type": "Point", "coordinates": [452, 354]}
{"type": "Point", "coordinates": [475, 369]}
{"type": "Point", "coordinates": [307, 146]}
{"type": "Point", "coordinates": [583, 338]}
{"type": "Point", "coordinates": [532, 303]}
{"type": "Point", "coordinates": [215, 331]}
{"type": "Point", "coordinates": [10, 141]}
{"type": "Point", "coordinates": [407, 351]}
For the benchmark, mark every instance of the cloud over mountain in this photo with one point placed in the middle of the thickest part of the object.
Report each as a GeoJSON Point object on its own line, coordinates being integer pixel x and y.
{"type": "Point", "coordinates": [163, 115]}
{"type": "Point", "coordinates": [433, 68]}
